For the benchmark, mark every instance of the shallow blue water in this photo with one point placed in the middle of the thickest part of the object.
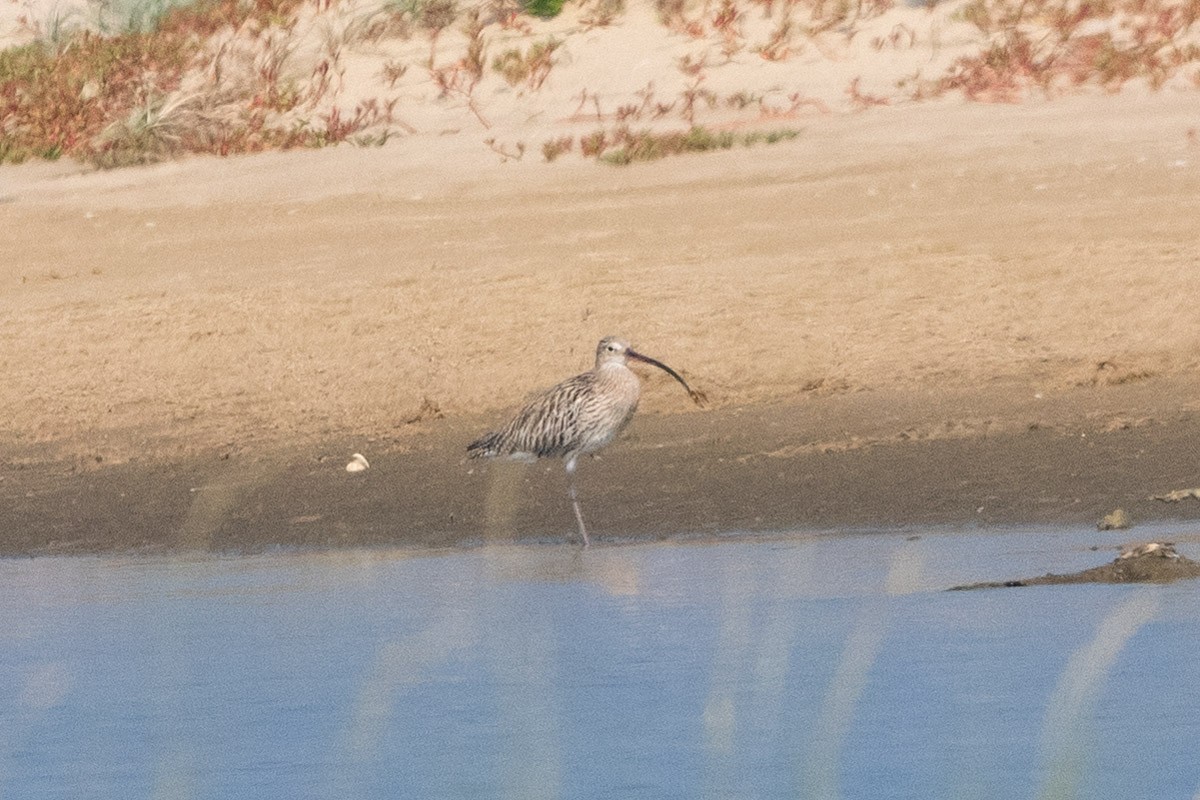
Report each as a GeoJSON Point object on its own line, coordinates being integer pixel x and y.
{"type": "Point", "coordinates": [800, 667]}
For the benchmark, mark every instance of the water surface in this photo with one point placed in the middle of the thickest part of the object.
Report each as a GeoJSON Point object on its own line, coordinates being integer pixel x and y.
{"type": "Point", "coordinates": [799, 666]}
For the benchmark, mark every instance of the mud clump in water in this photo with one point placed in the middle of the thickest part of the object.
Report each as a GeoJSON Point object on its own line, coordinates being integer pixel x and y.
{"type": "Point", "coordinates": [1153, 562]}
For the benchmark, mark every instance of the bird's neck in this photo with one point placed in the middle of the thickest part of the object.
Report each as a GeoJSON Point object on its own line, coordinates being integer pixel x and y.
{"type": "Point", "coordinates": [616, 373]}
{"type": "Point", "coordinates": [613, 368]}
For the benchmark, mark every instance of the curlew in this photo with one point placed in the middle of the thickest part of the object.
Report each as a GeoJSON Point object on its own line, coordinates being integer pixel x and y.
{"type": "Point", "coordinates": [578, 416]}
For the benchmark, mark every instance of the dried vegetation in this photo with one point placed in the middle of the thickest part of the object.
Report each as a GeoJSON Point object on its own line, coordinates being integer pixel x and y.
{"type": "Point", "coordinates": [237, 76]}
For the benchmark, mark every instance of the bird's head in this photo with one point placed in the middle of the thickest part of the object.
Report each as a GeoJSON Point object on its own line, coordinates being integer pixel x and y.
{"type": "Point", "coordinates": [613, 349]}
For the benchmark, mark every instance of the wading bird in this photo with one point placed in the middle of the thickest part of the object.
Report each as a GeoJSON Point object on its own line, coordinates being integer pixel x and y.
{"type": "Point", "coordinates": [578, 416]}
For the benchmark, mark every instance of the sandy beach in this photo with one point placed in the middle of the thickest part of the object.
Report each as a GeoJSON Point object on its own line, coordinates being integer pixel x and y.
{"type": "Point", "coordinates": [939, 313]}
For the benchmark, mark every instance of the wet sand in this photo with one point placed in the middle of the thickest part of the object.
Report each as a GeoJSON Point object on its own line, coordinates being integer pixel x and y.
{"type": "Point", "coordinates": [923, 316]}
{"type": "Point", "coordinates": [988, 460]}
{"type": "Point", "coordinates": [1148, 568]}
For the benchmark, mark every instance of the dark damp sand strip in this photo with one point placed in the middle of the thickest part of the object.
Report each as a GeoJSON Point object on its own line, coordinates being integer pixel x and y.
{"type": "Point", "coordinates": [865, 460]}
{"type": "Point", "coordinates": [1142, 569]}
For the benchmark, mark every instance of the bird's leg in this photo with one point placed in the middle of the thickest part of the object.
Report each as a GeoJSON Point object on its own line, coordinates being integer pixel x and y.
{"type": "Point", "coordinates": [570, 465]}
{"type": "Point", "coordinates": [579, 516]}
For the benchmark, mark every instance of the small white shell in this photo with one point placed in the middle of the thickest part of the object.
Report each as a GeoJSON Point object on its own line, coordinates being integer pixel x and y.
{"type": "Point", "coordinates": [358, 463]}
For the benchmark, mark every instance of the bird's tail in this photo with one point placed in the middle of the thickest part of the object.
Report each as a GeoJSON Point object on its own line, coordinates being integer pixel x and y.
{"type": "Point", "coordinates": [485, 446]}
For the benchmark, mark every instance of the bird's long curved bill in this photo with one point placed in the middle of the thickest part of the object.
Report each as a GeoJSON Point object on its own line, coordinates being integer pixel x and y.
{"type": "Point", "coordinates": [697, 397]}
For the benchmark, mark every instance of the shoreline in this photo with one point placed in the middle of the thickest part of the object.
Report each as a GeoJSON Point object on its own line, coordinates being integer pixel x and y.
{"type": "Point", "coordinates": [844, 462]}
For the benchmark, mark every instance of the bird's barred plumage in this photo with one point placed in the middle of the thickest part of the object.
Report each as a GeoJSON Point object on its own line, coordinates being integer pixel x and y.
{"type": "Point", "coordinates": [578, 416]}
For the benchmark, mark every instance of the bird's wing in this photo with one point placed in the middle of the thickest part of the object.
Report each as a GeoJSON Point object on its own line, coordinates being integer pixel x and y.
{"type": "Point", "coordinates": [546, 426]}
{"type": "Point", "coordinates": [549, 425]}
